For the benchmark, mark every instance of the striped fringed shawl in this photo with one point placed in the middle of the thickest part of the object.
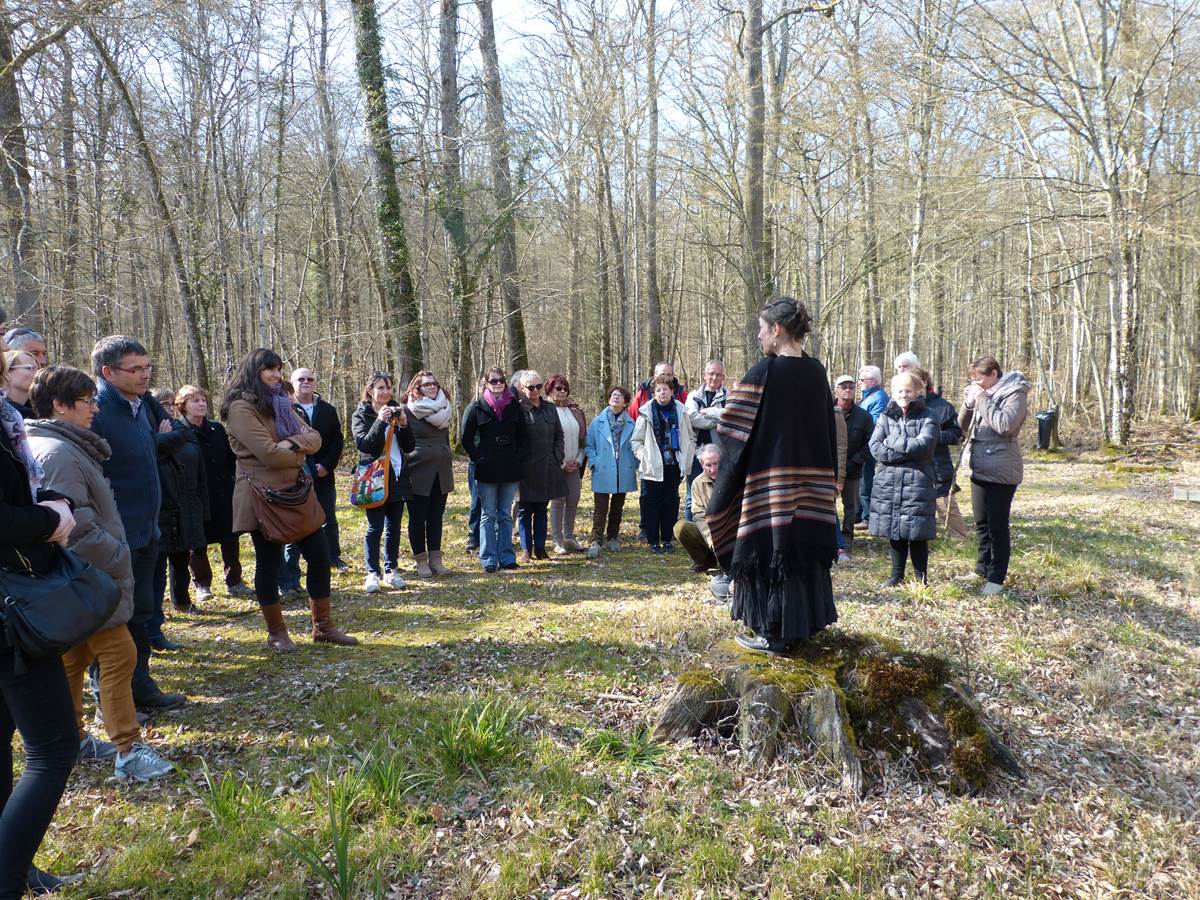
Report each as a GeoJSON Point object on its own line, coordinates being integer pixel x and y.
{"type": "Point", "coordinates": [772, 508]}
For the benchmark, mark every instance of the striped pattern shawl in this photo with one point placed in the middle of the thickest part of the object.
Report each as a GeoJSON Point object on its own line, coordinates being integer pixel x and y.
{"type": "Point", "coordinates": [772, 508]}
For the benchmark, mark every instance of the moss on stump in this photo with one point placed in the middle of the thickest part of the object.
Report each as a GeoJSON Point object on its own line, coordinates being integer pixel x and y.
{"type": "Point", "coordinates": [852, 697]}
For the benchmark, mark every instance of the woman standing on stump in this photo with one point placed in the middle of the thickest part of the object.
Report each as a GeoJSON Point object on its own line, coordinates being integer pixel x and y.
{"type": "Point", "coordinates": [771, 515]}
{"type": "Point", "coordinates": [270, 443]}
{"type": "Point", "coordinates": [994, 409]}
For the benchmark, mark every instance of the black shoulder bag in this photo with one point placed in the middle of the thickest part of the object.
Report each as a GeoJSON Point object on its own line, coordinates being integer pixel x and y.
{"type": "Point", "coordinates": [43, 615]}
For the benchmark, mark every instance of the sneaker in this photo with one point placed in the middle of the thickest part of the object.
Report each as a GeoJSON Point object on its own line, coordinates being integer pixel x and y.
{"type": "Point", "coordinates": [991, 589]}
{"type": "Point", "coordinates": [143, 763]}
{"type": "Point", "coordinates": [573, 546]}
{"type": "Point", "coordinates": [394, 580]}
{"type": "Point", "coordinates": [143, 718]}
{"type": "Point", "coordinates": [164, 644]}
{"type": "Point", "coordinates": [668, 547]}
{"type": "Point", "coordinates": [202, 593]}
{"type": "Point", "coordinates": [239, 590]}
{"type": "Point", "coordinates": [593, 552]}
{"type": "Point", "coordinates": [92, 747]}
{"type": "Point", "coordinates": [560, 550]}
{"type": "Point", "coordinates": [491, 570]}
{"type": "Point", "coordinates": [614, 546]}
{"type": "Point", "coordinates": [371, 583]}
{"type": "Point", "coordinates": [41, 883]}
{"type": "Point", "coordinates": [843, 556]}
{"type": "Point", "coordinates": [656, 548]}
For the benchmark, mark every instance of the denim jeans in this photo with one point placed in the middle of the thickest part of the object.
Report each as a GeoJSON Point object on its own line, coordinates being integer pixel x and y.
{"type": "Point", "coordinates": [532, 514]}
{"type": "Point", "coordinates": [383, 522]}
{"type": "Point", "coordinates": [38, 704]}
{"type": "Point", "coordinates": [473, 515]}
{"type": "Point", "coordinates": [495, 523]}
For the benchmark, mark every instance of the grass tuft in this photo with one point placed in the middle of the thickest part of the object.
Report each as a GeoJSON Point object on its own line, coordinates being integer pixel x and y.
{"type": "Point", "coordinates": [481, 736]}
{"type": "Point", "coordinates": [637, 750]}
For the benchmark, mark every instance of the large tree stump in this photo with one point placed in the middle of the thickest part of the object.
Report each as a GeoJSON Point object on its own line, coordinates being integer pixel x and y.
{"type": "Point", "coordinates": [852, 698]}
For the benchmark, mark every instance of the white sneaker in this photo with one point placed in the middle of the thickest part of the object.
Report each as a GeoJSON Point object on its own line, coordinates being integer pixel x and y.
{"type": "Point", "coordinates": [371, 583]}
{"type": "Point", "coordinates": [143, 763]}
{"type": "Point", "coordinates": [991, 589]}
{"type": "Point", "coordinates": [394, 580]}
{"type": "Point", "coordinates": [593, 552]}
{"type": "Point", "coordinates": [560, 550]}
{"type": "Point", "coordinates": [201, 593]}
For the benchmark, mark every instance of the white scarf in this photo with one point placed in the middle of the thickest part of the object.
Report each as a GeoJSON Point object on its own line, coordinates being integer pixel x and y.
{"type": "Point", "coordinates": [436, 411]}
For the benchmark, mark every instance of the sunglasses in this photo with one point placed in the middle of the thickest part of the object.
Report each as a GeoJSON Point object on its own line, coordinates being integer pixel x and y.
{"type": "Point", "coordinates": [496, 381]}
{"type": "Point", "coordinates": [533, 387]}
{"type": "Point", "coordinates": [305, 380]}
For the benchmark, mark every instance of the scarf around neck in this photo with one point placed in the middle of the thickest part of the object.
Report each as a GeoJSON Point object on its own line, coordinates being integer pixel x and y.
{"type": "Point", "coordinates": [14, 430]}
{"type": "Point", "coordinates": [287, 423]}
{"type": "Point", "coordinates": [436, 411]}
{"type": "Point", "coordinates": [499, 404]}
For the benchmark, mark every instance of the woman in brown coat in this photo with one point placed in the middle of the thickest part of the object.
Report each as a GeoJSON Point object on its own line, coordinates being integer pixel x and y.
{"type": "Point", "coordinates": [270, 443]}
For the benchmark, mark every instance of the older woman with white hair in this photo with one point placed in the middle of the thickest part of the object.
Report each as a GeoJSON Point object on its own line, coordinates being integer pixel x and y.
{"type": "Point", "coordinates": [542, 477]}
{"type": "Point", "coordinates": [906, 362]}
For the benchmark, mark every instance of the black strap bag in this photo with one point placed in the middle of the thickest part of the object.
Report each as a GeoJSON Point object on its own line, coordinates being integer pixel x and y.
{"type": "Point", "coordinates": [44, 615]}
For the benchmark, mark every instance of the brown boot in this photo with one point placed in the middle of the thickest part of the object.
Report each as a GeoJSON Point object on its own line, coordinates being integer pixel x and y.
{"type": "Point", "coordinates": [323, 627]}
{"type": "Point", "coordinates": [435, 563]}
{"type": "Point", "coordinates": [277, 633]}
{"type": "Point", "coordinates": [423, 568]}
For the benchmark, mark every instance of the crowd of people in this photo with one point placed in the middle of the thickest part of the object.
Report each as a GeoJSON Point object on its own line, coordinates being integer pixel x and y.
{"type": "Point", "coordinates": [139, 483]}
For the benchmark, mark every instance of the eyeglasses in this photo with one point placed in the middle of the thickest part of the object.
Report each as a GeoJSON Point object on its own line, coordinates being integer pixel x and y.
{"type": "Point", "coordinates": [533, 387]}
{"type": "Point", "coordinates": [93, 402]}
{"type": "Point", "coordinates": [305, 380]}
{"type": "Point", "coordinates": [561, 389]}
{"type": "Point", "coordinates": [136, 370]}
{"type": "Point", "coordinates": [495, 381]}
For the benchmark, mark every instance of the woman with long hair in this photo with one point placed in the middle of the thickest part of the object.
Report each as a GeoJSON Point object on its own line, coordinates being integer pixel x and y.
{"type": "Point", "coordinates": [270, 443]}
{"type": "Point", "coordinates": [378, 415]}
{"type": "Point", "coordinates": [20, 367]}
{"type": "Point", "coordinates": [771, 514]}
{"type": "Point", "coordinates": [493, 432]}
{"type": "Point", "coordinates": [430, 469]}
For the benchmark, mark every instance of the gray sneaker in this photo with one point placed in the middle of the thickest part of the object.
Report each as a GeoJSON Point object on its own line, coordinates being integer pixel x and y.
{"type": "Point", "coordinates": [93, 748]}
{"type": "Point", "coordinates": [593, 552]}
{"type": "Point", "coordinates": [614, 545]}
{"type": "Point", "coordinates": [143, 763]}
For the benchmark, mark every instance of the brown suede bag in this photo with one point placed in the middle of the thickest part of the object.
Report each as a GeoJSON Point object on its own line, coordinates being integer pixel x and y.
{"type": "Point", "coordinates": [287, 515]}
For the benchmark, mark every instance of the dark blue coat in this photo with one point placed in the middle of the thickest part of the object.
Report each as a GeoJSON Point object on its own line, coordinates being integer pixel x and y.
{"type": "Point", "coordinates": [902, 498]}
{"type": "Point", "coordinates": [132, 470]}
{"type": "Point", "coordinates": [859, 426]}
{"type": "Point", "coordinates": [949, 433]}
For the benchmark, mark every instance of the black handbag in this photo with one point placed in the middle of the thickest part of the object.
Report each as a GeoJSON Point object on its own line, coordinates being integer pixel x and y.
{"type": "Point", "coordinates": [44, 615]}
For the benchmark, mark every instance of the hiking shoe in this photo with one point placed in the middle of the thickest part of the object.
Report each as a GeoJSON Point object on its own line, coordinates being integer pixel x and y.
{"type": "Point", "coordinates": [143, 763]}
{"type": "Point", "coordinates": [593, 552]}
{"type": "Point", "coordinates": [614, 545]}
{"type": "Point", "coordinates": [92, 747]}
{"type": "Point", "coordinates": [202, 593]}
{"type": "Point", "coordinates": [239, 590]}
{"type": "Point", "coordinates": [991, 589]}
{"type": "Point", "coordinates": [371, 583]}
{"type": "Point", "coordinates": [394, 580]}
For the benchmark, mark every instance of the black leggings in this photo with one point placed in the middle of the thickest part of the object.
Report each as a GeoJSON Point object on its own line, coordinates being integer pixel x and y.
{"type": "Point", "coordinates": [991, 505]}
{"type": "Point", "coordinates": [269, 556]}
{"type": "Point", "coordinates": [918, 550]}
{"type": "Point", "coordinates": [425, 516]}
{"type": "Point", "coordinates": [38, 704]}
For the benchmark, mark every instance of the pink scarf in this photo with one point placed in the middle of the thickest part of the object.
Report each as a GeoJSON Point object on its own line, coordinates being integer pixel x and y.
{"type": "Point", "coordinates": [499, 404]}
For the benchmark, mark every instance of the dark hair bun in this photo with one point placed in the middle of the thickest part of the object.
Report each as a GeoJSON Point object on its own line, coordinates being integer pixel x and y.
{"type": "Point", "coordinates": [789, 314]}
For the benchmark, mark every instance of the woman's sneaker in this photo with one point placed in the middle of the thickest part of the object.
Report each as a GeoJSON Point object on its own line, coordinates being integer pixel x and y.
{"type": "Point", "coordinates": [560, 550]}
{"type": "Point", "coordinates": [614, 545]}
{"type": "Point", "coordinates": [394, 579]}
{"type": "Point", "coordinates": [143, 763]}
{"type": "Point", "coordinates": [93, 748]}
{"type": "Point", "coordinates": [201, 593]}
{"type": "Point", "coordinates": [371, 583]}
{"type": "Point", "coordinates": [593, 552]}
{"type": "Point", "coordinates": [991, 589]}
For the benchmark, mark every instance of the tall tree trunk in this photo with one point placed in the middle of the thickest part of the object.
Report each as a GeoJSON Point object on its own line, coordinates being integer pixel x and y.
{"type": "Point", "coordinates": [753, 264]}
{"type": "Point", "coordinates": [400, 297]}
{"type": "Point", "coordinates": [14, 178]}
{"type": "Point", "coordinates": [506, 208]}
{"type": "Point", "coordinates": [70, 338]}
{"type": "Point", "coordinates": [653, 303]}
{"type": "Point", "coordinates": [183, 280]}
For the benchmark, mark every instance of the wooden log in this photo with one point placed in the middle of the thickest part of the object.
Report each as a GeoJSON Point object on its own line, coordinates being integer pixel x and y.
{"type": "Point", "coordinates": [700, 699]}
{"type": "Point", "coordinates": [763, 712]}
{"type": "Point", "coordinates": [822, 716]}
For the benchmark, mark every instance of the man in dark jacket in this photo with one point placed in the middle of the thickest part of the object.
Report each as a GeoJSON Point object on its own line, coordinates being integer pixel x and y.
{"type": "Point", "coordinates": [322, 466]}
{"type": "Point", "coordinates": [135, 426]}
{"type": "Point", "coordinates": [859, 426]}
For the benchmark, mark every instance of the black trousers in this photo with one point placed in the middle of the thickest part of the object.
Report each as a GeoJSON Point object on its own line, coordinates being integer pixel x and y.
{"type": "Point", "coordinates": [425, 515]}
{"type": "Point", "coordinates": [991, 504]}
{"type": "Point", "coordinates": [660, 505]}
{"type": "Point", "coordinates": [918, 550]}
{"type": "Point", "coordinates": [268, 557]}
{"type": "Point", "coordinates": [38, 705]}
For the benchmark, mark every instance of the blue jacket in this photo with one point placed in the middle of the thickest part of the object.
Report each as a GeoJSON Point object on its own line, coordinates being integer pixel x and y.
{"type": "Point", "coordinates": [875, 401]}
{"type": "Point", "coordinates": [614, 469]}
{"type": "Point", "coordinates": [132, 470]}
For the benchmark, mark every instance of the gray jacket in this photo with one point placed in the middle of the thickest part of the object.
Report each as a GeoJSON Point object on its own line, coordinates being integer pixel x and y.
{"type": "Point", "coordinates": [71, 457]}
{"type": "Point", "coordinates": [995, 454]}
{"type": "Point", "coordinates": [902, 497]}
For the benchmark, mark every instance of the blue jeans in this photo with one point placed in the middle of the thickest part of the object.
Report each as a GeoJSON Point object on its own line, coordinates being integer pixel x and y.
{"type": "Point", "coordinates": [473, 515]}
{"type": "Point", "coordinates": [495, 523]}
{"type": "Point", "coordinates": [533, 525]}
{"type": "Point", "coordinates": [383, 521]}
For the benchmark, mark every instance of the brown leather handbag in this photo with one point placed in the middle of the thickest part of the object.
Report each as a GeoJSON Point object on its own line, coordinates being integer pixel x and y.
{"type": "Point", "coordinates": [289, 514]}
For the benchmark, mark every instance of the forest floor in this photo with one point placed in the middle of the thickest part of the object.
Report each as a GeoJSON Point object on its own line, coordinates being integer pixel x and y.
{"type": "Point", "coordinates": [489, 738]}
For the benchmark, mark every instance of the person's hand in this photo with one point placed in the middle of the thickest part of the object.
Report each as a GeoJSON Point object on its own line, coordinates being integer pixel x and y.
{"type": "Point", "coordinates": [164, 426]}
{"type": "Point", "coordinates": [321, 471]}
{"type": "Point", "coordinates": [399, 417]}
{"type": "Point", "coordinates": [971, 394]}
{"type": "Point", "coordinates": [66, 521]}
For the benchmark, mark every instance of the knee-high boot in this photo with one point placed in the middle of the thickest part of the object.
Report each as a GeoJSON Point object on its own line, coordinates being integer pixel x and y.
{"type": "Point", "coordinates": [277, 633]}
{"type": "Point", "coordinates": [323, 627]}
